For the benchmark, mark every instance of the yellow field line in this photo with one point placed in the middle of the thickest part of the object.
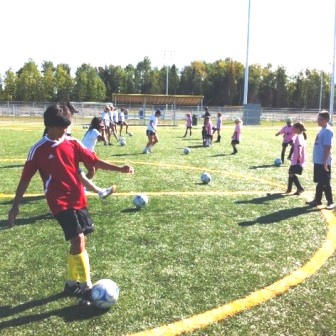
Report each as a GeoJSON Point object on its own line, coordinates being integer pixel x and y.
{"type": "Point", "coordinates": [162, 193]}
{"type": "Point", "coordinates": [259, 296]}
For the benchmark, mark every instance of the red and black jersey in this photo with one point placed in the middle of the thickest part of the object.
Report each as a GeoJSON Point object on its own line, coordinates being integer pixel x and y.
{"type": "Point", "coordinates": [58, 163]}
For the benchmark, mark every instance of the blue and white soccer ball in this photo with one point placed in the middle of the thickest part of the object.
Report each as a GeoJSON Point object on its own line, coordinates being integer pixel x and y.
{"type": "Point", "coordinates": [104, 293]}
{"type": "Point", "coordinates": [205, 178]}
{"type": "Point", "coordinates": [186, 150]}
{"type": "Point", "coordinates": [122, 142]}
{"type": "Point", "coordinates": [140, 200]}
{"type": "Point", "coordinates": [277, 162]}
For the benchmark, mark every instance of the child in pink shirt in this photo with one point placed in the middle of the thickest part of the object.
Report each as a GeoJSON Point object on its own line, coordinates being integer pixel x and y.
{"type": "Point", "coordinates": [287, 132]}
{"type": "Point", "coordinates": [298, 158]}
{"type": "Point", "coordinates": [188, 124]}
{"type": "Point", "coordinates": [207, 132]}
{"type": "Point", "coordinates": [236, 136]}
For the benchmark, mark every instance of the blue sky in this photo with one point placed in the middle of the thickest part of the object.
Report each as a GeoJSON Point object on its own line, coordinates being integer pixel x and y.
{"type": "Point", "coordinates": [297, 34]}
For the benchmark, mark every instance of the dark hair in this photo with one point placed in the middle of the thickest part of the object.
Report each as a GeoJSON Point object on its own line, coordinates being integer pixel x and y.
{"type": "Point", "coordinates": [300, 126]}
{"type": "Point", "coordinates": [95, 123]}
{"type": "Point", "coordinates": [158, 112]}
{"type": "Point", "coordinates": [57, 116]}
{"type": "Point", "coordinates": [324, 115]}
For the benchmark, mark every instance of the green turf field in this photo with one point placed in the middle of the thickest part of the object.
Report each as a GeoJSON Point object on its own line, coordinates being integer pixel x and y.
{"type": "Point", "coordinates": [234, 257]}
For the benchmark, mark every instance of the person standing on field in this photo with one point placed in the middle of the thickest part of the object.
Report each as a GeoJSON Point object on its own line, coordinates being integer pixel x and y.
{"type": "Point", "coordinates": [322, 158]}
{"type": "Point", "coordinates": [151, 132]}
{"type": "Point", "coordinates": [56, 157]}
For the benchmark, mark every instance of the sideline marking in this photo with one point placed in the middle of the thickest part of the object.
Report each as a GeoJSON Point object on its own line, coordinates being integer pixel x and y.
{"type": "Point", "coordinates": [202, 320]}
{"type": "Point", "coordinates": [255, 298]}
{"type": "Point", "coordinates": [161, 193]}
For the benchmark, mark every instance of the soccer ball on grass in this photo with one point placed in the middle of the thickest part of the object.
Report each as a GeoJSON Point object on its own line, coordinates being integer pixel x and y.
{"type": "Point", "coordinates": [186, 150]}
{"type": "Point", "coordinates": [277, 162]}
{"type": "Point", "coordinates": [205, 178]}
{"type": "Point", "coordinates": [105, 293]}
{"type": "Point", "coordinates": [140, 200]}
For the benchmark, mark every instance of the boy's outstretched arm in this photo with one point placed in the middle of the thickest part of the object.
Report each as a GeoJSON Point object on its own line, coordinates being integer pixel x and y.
{"type": "Point", "coordinates": [14, 211]}
{"type": "Point", "coordinates": [100, 164]}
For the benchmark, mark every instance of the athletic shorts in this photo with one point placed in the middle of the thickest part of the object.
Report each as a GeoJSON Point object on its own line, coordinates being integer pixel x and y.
{"type": "Point", "coordinates": [120, 122]}
{"type": "Point", "coordinates": [320, 175]}
{"type": "Point", "coordinates": [285, 144]}
{"type": "Point", "coordinates": [295, 169]}
{"type": "Point", "coordinates": [74, 222]}
{"type": "Point", "coordinates": [234, 142]}
{"type": "Point", "coordinates": [150, 133]}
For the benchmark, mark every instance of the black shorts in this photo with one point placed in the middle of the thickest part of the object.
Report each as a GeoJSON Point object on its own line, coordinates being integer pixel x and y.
{"type": "Point", "coordinates": [320, 175]}
{"type": "Point", "coordinates": [295, 169]}
{"type": "Point", "coordinates": [74, 222]}
{"type": "Point", "coordinates": [285, 144]}
{"type": "Point", "coordinates": [234, 142]}
{"type": "Point", "coordinates": [150, 133]}
{"type": "Point", "coordinates": [120, 122]}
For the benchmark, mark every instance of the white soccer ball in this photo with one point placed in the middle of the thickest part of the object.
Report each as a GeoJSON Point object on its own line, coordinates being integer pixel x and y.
{"type": "Point", "coordinates": [277, 162]}
{"type": "Point", "coordinates": [122, 142]}
{"type": "Point", "coordinates": [186, 150]}
{"type": "Point", "coordinates": [140, 200]}
{"type": "Point", "coordinates": [104, 293]}
{"type": "Point", "coordinates": [205, 178]}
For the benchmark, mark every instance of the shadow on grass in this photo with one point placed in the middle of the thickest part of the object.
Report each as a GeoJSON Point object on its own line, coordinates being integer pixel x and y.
{"type": "Point", "coordinates": [266, 166]}
{"type": "Point", "coordinates": [25, 200]}
{"type": "Point", "coordinates": [12, 166]}
{"type": "Point", "coordinates": [26, 221]}
{"type": "Point", "coordinates": [127, 154]}
{"type": "Point", "coordinates": [197, 146]}
{"type": "Point", "coordinates": [130, 210]}
{"type": "Point", "coordinates": [280, 215]}
{"type": "Point", "coordinates": [68, 313]}
{"type": "Point", "coordinates": [264, 199]}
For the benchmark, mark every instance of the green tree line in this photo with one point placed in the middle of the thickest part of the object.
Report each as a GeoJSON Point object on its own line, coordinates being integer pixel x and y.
{"type": "Point", "coordinates": [221, 83]}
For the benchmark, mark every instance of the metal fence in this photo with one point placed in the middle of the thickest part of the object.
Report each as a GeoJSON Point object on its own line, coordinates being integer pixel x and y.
{"type": "Point", "coordinates": [171, 115]}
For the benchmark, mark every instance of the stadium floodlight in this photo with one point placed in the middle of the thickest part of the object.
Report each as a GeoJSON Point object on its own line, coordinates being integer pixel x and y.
{"type": "Point", "coordinates": [247, 54]}
{"type": "Point", "coordinates": [332, 82]}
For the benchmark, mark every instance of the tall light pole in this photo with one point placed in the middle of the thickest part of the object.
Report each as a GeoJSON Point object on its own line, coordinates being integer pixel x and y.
{"type": "Point", "coordinates": [165, 55]}
{"type": "Point", "coordinates": [247, 52]}
{"type": "Point", "coordinates": [332, 82]}
{"type": "Point", "coordinates": [321, 89]}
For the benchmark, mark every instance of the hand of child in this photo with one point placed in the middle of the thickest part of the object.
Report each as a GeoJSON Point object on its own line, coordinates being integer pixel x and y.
{"type": "Point", "coordinates": [127, 169]}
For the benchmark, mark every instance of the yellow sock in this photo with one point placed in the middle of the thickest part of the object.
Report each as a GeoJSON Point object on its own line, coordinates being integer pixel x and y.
{"type": "Point", "coordinates": [83, 267]}
{"type": "Point", "coordinates": [72, 268]}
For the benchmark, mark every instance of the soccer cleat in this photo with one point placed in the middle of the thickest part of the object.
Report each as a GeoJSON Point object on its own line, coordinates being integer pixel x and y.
{"type": "Point", "coordinates": [73, 288]}
{"type": "Point", "coordinates": [86, 299]}
{"type": "Point", "coordinates": [299, 192]}
{"type": "Point", "coordinates": [314, 203]}
{"type": "Point", "coordinates": [107, 192]}
{"type": "Point", "coordinates": [288, 192]}
{"type": "Point", "coordinates": [145, 151]}
{"type": "Point", "coordinates": [330, 206]}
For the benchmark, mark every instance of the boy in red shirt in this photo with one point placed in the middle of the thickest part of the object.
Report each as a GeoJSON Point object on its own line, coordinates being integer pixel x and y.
{"type": "Point", "coordinates": [57, 159]}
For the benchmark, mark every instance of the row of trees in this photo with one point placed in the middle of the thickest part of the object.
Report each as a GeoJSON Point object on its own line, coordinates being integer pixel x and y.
{"type": "Point", "coordinates": [220, 82]}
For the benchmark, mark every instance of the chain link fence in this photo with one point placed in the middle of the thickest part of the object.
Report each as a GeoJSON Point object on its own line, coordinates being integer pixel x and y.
{"type": "Point", "coordinates": [171, 115]}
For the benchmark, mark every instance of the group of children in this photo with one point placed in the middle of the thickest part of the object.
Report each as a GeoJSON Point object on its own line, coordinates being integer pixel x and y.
{"type": "Point", "coordinates": [57, 156]}
{"type": "Point", "coordinates": [208, 130]}
{"type": "Point", "coordinates": [295, 137]}
{"type": "Point", "coordinates": [111, 117]}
